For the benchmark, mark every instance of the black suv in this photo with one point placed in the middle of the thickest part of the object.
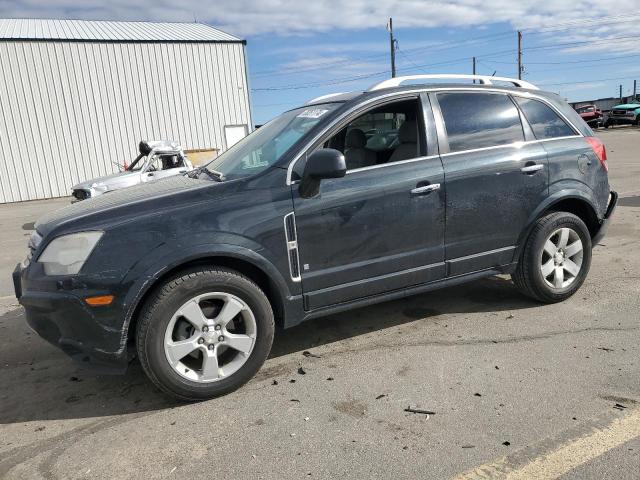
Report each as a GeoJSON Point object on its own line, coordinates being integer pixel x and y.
{"type": "Point", "coordinates": [349, 200]}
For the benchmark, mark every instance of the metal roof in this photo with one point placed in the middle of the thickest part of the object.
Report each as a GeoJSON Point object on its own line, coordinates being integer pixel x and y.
{"type": "Point", "coordinates": [108, 31]}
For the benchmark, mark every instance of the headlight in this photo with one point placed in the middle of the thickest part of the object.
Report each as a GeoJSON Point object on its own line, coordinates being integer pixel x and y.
{"type": "Point", "coordinates": [65, 255]}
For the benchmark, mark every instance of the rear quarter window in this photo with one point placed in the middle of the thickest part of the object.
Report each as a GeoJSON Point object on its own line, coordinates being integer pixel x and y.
{"type": "Point", "coordinates": [544, 122]}
{"type": "Point", "coordinates": [479, 120]}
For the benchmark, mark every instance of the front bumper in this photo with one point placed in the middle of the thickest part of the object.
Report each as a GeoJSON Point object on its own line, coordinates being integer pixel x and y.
{"type": "Point", "coordinates": [621, 120]}
{"type": "Point", "coordinates": [604, 226]}
{"type": "Point", "coordinates": [90, 335]}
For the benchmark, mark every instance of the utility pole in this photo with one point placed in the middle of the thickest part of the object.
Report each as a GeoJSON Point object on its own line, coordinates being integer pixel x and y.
{"type": "Point", "coordinates": [392, 44]}
{"type": "Point", "coordinates": [474, 67]}
{"type": "Point", "coordinates": [520, 67]}
{"type": "Point", "coordinates": [634, 90]}
{"type": "Point", "coordinates": [621, 93]}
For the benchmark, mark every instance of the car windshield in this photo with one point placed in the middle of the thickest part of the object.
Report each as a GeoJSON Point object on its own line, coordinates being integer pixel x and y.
{"type": "Point", "coordinates": [586, 109]}
{"type": "Point", "coordinates": [264, 147]}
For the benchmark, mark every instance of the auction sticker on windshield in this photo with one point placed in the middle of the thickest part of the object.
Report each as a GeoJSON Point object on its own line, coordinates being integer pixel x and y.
{"type": "Point", "coordinates": [312, 113]}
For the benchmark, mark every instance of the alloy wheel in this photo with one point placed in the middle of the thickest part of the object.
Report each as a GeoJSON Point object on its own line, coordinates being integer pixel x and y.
{"type": "Point", "coordinates": [210, 337]}
{"type": "Point", "coordinates": [561, 259]}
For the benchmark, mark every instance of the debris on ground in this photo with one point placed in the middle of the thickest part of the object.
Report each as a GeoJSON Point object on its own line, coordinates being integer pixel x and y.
{"type": "Point", "coordinates": [329, 378]}
{"type": "Point", "coordinates": [497, 367]}
{"type": "Point", "coordinates": [510, 316]}
{"type": "Point", "coordinates": [275, 382]}
{"type": "Point", "coordinates": [74, 379]}
{"type": "Point", "coordinates": [506, 444]}
{"type": "Point", "coordinates": [619, 406]}
{"type": "Point", "coordinates": [301, 371]}
{"type": "Point", "coordinates": [381, 396]}
{"type": "Point", "coordinates": [477, 394]}
{"type": "Point", "coordinates": [605, 349]}
{"type": "Point", "coordinates": [295, 400]}
{"type": "Point", "coordinates": [39, 429]}
{"type": "Point", "coordinates": [308, 354]}
{"type": "Point", "coordinates": [419, 410]}
{"type": "Point", "coordinates": [292, 381]}
{"type": "Point", "coordinates": [468, 446]}
{"type": "Point", "coordinates": [306, 419]}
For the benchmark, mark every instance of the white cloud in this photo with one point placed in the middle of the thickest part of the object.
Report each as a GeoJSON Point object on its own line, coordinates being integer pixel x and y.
{"type": "Point", "coordinates": [285, 17]}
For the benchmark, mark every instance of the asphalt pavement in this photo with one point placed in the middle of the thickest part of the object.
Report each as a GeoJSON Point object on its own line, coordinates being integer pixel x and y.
{"type": "Point", "coordinates": [517, 389]}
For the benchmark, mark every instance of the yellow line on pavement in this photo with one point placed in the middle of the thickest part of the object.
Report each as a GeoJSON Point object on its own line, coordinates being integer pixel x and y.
{"type": "Point", "coordinates": [567, 456]}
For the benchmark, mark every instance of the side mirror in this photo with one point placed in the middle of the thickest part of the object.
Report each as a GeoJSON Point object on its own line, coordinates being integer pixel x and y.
{"type": "Point", "coordinates": [321, 164]}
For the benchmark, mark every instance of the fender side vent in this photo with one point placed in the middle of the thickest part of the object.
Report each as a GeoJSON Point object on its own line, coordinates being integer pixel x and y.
{"type": "Point", "coordinates": [292, 246]}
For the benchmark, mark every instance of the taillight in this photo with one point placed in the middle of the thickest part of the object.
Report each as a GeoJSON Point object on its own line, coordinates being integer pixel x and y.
{"type": "Point", "coordinates": [599, 150]}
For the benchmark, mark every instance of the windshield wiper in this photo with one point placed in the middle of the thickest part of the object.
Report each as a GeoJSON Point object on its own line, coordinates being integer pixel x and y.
{"type": "Point", "coordinates": [212, 174]}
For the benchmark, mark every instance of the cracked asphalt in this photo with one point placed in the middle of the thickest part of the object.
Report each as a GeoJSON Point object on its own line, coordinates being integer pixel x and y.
{"type": "Point", "coordinates": [518, 389]}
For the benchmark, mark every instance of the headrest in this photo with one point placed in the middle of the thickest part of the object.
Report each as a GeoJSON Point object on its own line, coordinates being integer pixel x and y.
{"type": "Point", "coordinates": [407, 132]}
{"type": "Point", "coordinates": [355, 139]}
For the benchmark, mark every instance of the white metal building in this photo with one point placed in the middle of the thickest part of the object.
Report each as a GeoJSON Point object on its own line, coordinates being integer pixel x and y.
{"type": "Point", "coordinates": [76, 96]}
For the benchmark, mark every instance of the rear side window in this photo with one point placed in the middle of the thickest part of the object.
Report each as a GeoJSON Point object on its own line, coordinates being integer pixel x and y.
{"type": "Point", "coordinates": [544, 122]}
{"type": "Point", "coordinates": [479, 120]}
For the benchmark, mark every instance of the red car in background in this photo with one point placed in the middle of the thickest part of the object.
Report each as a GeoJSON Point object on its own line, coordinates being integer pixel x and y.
{"type": "Point", "coordinates": [591, 114]}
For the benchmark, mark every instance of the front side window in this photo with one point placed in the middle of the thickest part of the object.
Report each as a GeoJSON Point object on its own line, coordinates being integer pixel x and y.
{"type": "Point", "coordinates": [479, 120]}
{"type": "Point", "coordinates": [385, 134]}
{"type": "Point", "coordinates": [544, 122]}
{"type": "Point", "coordinates": [266, 145]}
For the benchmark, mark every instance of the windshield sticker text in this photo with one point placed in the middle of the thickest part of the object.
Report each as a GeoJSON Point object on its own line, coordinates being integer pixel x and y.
{"type": "Point", "coordinates": [312, 113]}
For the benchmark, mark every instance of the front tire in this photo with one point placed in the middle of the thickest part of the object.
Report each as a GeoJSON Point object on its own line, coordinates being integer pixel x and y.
{"type": "Point", "coordinates": [204, 333]}
{"type": "Point", "coordinates": [556, 258]}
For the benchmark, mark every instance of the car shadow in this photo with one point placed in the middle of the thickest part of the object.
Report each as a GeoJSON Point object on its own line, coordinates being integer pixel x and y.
{"type": "Point", "coordinates": [494, 294]}
{"type": "Point", "coordinates": [41, 383]}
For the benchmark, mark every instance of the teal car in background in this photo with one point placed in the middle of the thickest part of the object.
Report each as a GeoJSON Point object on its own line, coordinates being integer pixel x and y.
{"type": "Point", "coordinates": [626, 114]}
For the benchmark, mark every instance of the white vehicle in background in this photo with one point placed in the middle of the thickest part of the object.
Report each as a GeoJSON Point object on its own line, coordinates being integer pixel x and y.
{"type": "Point", "coordinates": [157, 159]}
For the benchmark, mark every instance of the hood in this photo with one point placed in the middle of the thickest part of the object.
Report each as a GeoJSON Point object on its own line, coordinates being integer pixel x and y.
{"type": "Point", "coordinates": [94, 208]}
{"type": "Point", "coordinates": [115, 179]}
{"type": "Point", "coordinates": [627, 106]}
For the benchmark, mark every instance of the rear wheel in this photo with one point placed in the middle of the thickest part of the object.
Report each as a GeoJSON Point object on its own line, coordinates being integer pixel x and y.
{"type": "Point", "coordinates": [556, 258]}
{"type": "Point", "coordinates": [204, 333]}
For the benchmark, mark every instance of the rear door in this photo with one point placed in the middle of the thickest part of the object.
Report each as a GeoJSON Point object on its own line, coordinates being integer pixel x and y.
{"type": "Point", "coordinates": [495, 177]}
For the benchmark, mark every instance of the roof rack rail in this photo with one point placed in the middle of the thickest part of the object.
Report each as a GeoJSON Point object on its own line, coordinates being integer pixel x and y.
{"type": "Point", "coordinates": [483, 79]}
{"type": "Point", "coordinates": [324, 97]}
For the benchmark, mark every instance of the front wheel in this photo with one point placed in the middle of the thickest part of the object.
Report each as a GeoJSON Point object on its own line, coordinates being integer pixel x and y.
{"type": "Point", "coordinates": [556, 258]}
{"type": "Point", "coordinates": [204, 333]}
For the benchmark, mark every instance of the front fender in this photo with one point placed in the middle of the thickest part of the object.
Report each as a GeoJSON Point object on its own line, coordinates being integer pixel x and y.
{"type": "Point", "coordinates": [163, 259]}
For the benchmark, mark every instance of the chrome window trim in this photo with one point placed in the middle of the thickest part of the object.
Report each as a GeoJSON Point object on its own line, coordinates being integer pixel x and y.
{"type": "Point", "coordinates": [507, 91]}
{"type": "Point", "coordinates": [507, 145]}
{"type": "Point", "coordinates": [389, 164]}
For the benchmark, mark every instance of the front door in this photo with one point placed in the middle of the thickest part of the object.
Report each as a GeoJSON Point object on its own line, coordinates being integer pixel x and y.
{"type": "Point", "coordinates": [381, 227]}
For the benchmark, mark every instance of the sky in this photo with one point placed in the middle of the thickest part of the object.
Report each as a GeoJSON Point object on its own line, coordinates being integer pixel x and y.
{"type": "Point", "coordinates": [297, 50]}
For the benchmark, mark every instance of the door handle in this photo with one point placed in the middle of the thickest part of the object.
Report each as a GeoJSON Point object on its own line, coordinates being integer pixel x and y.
{"type": "Point", "coordinates": [532, 168]}
{"type": "Point", "coordinates": [432, 187]}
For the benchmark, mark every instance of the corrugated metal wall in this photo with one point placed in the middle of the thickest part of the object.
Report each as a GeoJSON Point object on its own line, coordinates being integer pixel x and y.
{"type": "Point", "coordinates": [70, 109]}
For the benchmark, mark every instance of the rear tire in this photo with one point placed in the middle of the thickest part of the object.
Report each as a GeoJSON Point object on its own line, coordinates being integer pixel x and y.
{"type": "Point", "coordinates": [204, 333]}
{"type": "Point", "coordinates": [556, 258]}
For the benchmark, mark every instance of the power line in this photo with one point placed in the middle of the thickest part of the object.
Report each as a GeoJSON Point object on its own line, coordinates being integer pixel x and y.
{"type": "Point", "coordinates": [572, 61]}
{"type": "Point", "coordinates": [454, 43]}
{"type": "Point", "coordinates": [588, 81]}
{"type": "Point", "coordinates": [337, 81]}
{"type": "Point", "coordinates": [408, 59]}
{"type": "Point", "coordinates": [322, 65]}
{"type": "Point", "coordinates": [585, 42]}
{"type": "Point", "coordinates": [587, 23]}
